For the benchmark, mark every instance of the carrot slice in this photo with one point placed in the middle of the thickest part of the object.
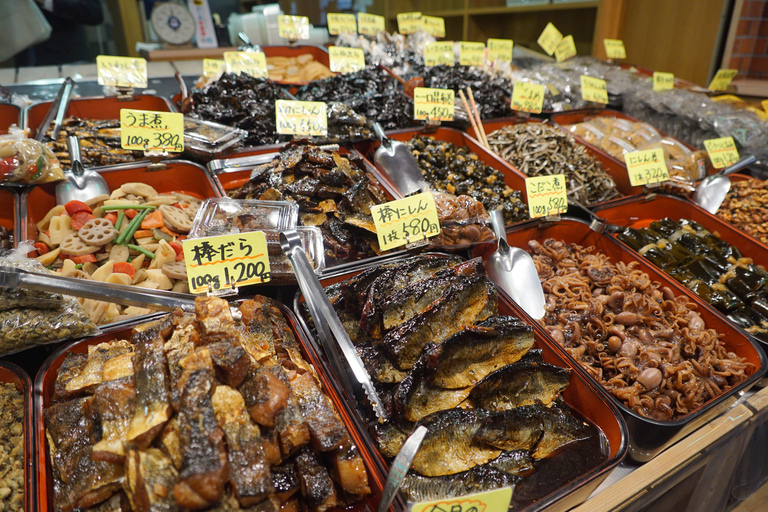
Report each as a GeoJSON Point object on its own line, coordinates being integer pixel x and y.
{"type": "Point", "coordinates": [79, 219]}
{"type": "Point", "coordinates": [124, 268]}
{"type": "Point", "coordinates": [176, 246]}
{"type": "Point", "coordinates": [85, 258]}
{"type": "Point", "coordinates": [111, 217]}
{"type": "Point", "coordinates": [131, 213]}
{"type": "Point", "coordinates": [75, 206]}
{"type": "Point", "coordinates": [153, 220]}
{"type": "Point", "coordinates": [142, 233]}
{"type": "Point", "coordinates": [41, 248]}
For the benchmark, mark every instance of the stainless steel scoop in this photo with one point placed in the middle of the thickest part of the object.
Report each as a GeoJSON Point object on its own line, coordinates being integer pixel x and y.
{"type": "Point", "coordinates": [513, 270]}
{"type": "Point", "coordinates": [81, 184]}
{"type": "Point", "coordinates": [396, 162]}
{"type": "Point", "coordinates": [713, 189]}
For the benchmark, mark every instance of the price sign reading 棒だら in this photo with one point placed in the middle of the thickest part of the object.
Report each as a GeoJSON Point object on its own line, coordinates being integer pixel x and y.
{"type": "Point", "coordinates": [722, 79]}
{"type": "Point", "coordinates": [471, 53]}
{"type": "Point", "coordinates": [369, 24]}
{"type": "Point", "coordinates": [250, 63]}
{"type": "Point", "coordinates": [301, 118]}
{"type": "Point", "coordinates": [565, 49]}
{"type": "Point", "coordinates": [527, 97]}
{"type": "Point", "coordinates": [406, 220]}
{"type": "Point", "coordinates": [549, 39]}
{"type": "Point", "coordinates": [408, 22]}
{"type": "Point", "coordinates": [645, 167]}
{"type": "Point", "coordinates": [722, 152]}
{"type": "Point", "coordinates": [594, 89]}
{"type": "Point", "coordinates": [145, 130]}
{"type": "Point", "coordinates": [346, 60]}
{"type": "Point", "coordinates": [226, 260]}
{"type": "Point", "coordinates": [500, 49]}
{"type": "Point", "coordinates": [293, 28]}
{"type": "Point", "coordinates": [490, 501]}
{"type": "Point", "coordinates": [213, 67]}
{"type": "Point", "coordinates": [614, 49]}
{"type": "Point", "coordinates": [433, 104]}
{"type": "Point", "coordinates": [434, 25]}
{"type": "Point", "coordinates": [121, 71]}
{"type": "Point", "coordinates": [663, 81]}
{"type": "Point", "coordinates": [437, 53]}
{"type": "Point", "coordinates": [341, 23]}
{"type": "Point", "coordinates": [546, 195]}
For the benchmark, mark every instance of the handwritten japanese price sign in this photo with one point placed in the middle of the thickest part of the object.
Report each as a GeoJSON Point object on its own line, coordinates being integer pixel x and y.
{"type": "Point", "coordinates": [722, 152]}
{"type": "Point", "coordinates": [301, 117]}
{"type": "Point", "coordinates": [646, 167]}
{"type": "Point", "coordinates": [213, 67]}
{"type": "Point", "coordinates": [145, 130]}
{"type": "Point", "coordinates": [722, 79]}
{"type": "Point", "coordinates": [527, 97]}
{"type": "Point", "coordinates": [491, 501]}
{"type": "Point", "coordinates": [433, 104]}
{"type": "Point", "coordinates": [408, 22]}
{"type": "Point", "coordinates": [663, 81]}
{"type": "Point", "coordinates": [566, 49]}
{"type": "Point", "coordinates": [439, 53]}
{"type": "Point", "coordinates": [406, 220]}
{"type": "Point", "coordinates": [614, 49]}
{"type": "Point", "coordinates": [549, 39]}
{"type": "Point", "coordinates": [594, 89]}
{"type": "Point", "coordinates": [340, 23]}
{"type": "Point", "coordinates": [293, 28]}
{"type": "Point", "coordinates": [764, 103]}
{"type": "Point", "coordinates": [434, 25]}
{"type": "Point", "coordinates": [471, 53]}
{"type": "Point", "coordinates": [500, 49]}
{"type": "Point", "coordinates": [121, 71]}
{"type": "Point", "coordinates": [221, 261]}
{"type": "Point", "coordinates": [546, 195]}
{"type": "Point", "coordinates": [370, 24]}
{"type": "Point", "coordinates": [346, 60]}
{"type": "Point", "coordinates": [250, 63]}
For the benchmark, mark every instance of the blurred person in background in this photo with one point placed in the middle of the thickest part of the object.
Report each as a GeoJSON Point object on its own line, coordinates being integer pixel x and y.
{"type": "Point", "coordinates": [68, 42]}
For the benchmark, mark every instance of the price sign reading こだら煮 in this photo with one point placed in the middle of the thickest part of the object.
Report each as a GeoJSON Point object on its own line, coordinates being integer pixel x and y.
{"type": "Point", "coordinates": [546, 195]}
{"type": "Point", "coordinates": [226, 260]}
{"type": "Point", "coordinates": [527, 97]}
{"type": "Point", "coordinates": [339, 23]}
{"type": "Point", "coordinates": [433, 104]}
{"type": "Point", "coordinates": [646, 167]}
{"type": "Point", "coordinates": [301, 118]}
{"type": "Point", "coordinates": [346, 60]}
{"type": "Point", "coordinates": [121, 71]}
{"type": "Point", "coordinates": [722, 152]}
{"type": "Point", "coordinates": [145, 130]}
{"type": "Point", "coordinates": [406, 220]}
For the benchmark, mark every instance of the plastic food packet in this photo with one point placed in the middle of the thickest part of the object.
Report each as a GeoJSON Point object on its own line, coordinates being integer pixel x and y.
{"type": "Point", "coordinates": [463, 222]}
{"type": "Point", "coordinates": [27, 161]}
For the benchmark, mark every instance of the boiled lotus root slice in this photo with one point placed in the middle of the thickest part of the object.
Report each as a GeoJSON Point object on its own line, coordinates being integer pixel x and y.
{"type": "Point", "coordinates": [176, 218]}
{"type": "Point", "coordinates": [175, 270]}
{"type": "Point", "coordinates": [138, 189]}
{"type": "Point", "coordinates": [74, 246]}
{"type": "Point", "coordinates": [97, 232]}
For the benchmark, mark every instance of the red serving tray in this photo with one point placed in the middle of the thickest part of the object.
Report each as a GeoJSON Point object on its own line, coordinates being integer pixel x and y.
{"type": "Point", "coordinates": [46, 379]}
{"type": "Point", "coordinates": [9, 114]}
{"type": "Point", "coordinates": [8, 211]}
{"type": "Point", "coordinates": [647, 437]}
{"type": "Point", "coordinates": [581, 395]}
{"type": "Point", "coordinates": [9, 372]}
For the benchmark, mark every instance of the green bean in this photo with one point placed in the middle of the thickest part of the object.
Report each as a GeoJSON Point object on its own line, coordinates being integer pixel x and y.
{"type": "Point", "coordinates": [119, 221]}
{"type": "Point", "coordinates": [132, 227]}
{"type": "Point", "coordinates": [148, 254]}
{"type": "Point", "coordinates": [128, 207]}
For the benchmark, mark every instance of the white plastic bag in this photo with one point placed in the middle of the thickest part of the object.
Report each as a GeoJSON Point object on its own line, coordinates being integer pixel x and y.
{"type": "Point", "coordinates": [22, 24]}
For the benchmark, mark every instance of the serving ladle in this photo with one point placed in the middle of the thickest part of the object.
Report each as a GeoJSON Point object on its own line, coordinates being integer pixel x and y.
{"type": "Point", "coordinates": [712, 190]}
{"type": "Point", "coordinates": [81, 183]}
{"type": "Point", "coordinates": [395, 161]}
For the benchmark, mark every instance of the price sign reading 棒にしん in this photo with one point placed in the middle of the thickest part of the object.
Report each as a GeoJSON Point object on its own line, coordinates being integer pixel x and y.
{"type": "Point", "coordinates": [307, 118]}
{"type": "Point", "coordinates": [546, 195]}
{"type": "Point", "coordinates": [144, 130]}
{"type": "Point", "coordinates": [227, 260]}
{"type": "Point", "coordinates": [433, 104]}
{"type": "Point", "coordinates": [646, 167]}
{"type": "Point", "coordinates": [405, 220]}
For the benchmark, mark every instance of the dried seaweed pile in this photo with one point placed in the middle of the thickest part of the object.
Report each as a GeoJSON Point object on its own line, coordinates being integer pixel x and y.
{"type": "Point", "coordinates": [491, 93]}
{"type": "Point", "coordinates": [12, 454]}
{"type": "Point", "coordinates": [196, 411]}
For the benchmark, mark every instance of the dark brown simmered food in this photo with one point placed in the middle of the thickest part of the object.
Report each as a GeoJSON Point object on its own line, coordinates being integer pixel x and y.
{"type": "Point", "coordinates": [99, 142]}
{"type": "Point", "coordinates": [198, 412]}
{"type": "Point", "coordinates": [648, 348]}
{"type": "Point", "coordinates": [6, 239]}
{"type": "Point", "coordinates": [12, 451]}
{"type": "Point", "coordinates": [746, 207]}
{"type": "Point", "coordinates": [491, 93]}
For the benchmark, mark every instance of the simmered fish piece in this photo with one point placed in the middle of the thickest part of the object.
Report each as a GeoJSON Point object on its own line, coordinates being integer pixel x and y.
{"type": "Point", "coordinates": [90, 374]}
{"type": "Point", "coordinates": [114, 402]}
{"type": "Point", "coordinates": [378, 364]}
{"type": "Point", "coordinates": [284, 480]}
{"type": "Point", "coordinates": [560, 428]}
{"type": "Point", "coordinates": [291, 427]}
{"type": "Point", "coordinates": [519, 384]}
{"type": "Point", "coordinates": [231, 361]}
{"type": "Point", "coordinates": [150, 478]}
{"type": "Point", "coordinates": [472, 353]}
{"type": "Point", "coordinates": [215, 320]}
{"type": "Point", "coordinates": [70, 368]}
{"type": "Point", "coordinates": [170, 442]}
{"type": "Point", "coordinates": [416, 397]}
{"type": "Point", "coordinates": [516, 429]}
{"type": "Point", "coordinates": [325, 427]}
{"type": "Point", "coordinates": [389, 438]}
{"type": "Point", "coordinates": [349, 469]}
{"type": "Point", "coordinates": [265, 394]}
{"type": "Point", "coordinates": [515, 462]}
{"type": "Point", "coordinates": [478, 479]}
{"type": "Point", "coordinates": [181, 344]}
{"type": "Point", "coordinates": [153, 407]}
{"type": "Point", "coordinates": [314, 481]}
{"type": "Point", "coordinates": [449, 446]}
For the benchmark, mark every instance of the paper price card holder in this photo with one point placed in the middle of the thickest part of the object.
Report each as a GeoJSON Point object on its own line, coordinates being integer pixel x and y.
{"type": "Point", "coordinates": [546, 195]}
{"type": "Point", "coordinates": [471, 53]}
{"type": "Point", "coordinates": [408, 22]}
{"type": "Point", "coordinates": [437, 53]}
{"type": "Point", "coordinates": [722, 152]}
{"type": "Point", "coordinates": [405, 221]}
{"type": "Point", "coordinates": [490, 501]}
{"type": "Point", "coordinates": [434, 25]}
{"type": "Point", "coordinates": [250, 63]}
{"type": "Point", "coordinates": [646, 167]}
{"type": "Point", "coordinates": [565, 49]}
{"type": "Point", "coordinates": [152, 132]}
{"type": "Point", "coordinates": [614, 49]}
{"type": "Point", "coordinates": [527, 97]}
{"type": "Point", "coordinates": [213, 67]}
{"type": "Point", "coordinates": [433, 104]}
{"type": "Point", "coordinates": [341, 23]}
{"type": "Point", "coordinates": [549, 39]}
{"type": "Point", "coordinates": [594, 89]}
{"type": "Point", "coordinates": [663, 81]}
{"type": "Point", "coordinates": [722, 79]}
{"type": "Point", "coordinates": [500, 49]}
{"type": "Point", "coordinates": [123, 73]}
{"type": "Point", "coordinates": [303, 118]}
{"type": "Point", "coordinates": [293, 28]}
{"type": "Point", "coordinates": [370, 24]}
{"type": "Point", "coordinates": [346, 60]}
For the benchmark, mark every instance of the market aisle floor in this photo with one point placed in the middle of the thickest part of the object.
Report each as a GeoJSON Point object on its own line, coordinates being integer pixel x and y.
{"type": "Point", "coordinates": [755, 503]}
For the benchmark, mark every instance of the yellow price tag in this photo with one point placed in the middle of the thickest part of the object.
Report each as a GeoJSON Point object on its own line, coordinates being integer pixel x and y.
{"type": "Point", "coordinates": [250, 63]}
{"type": "Point", "coordinates": [500, 49]}
{"type": "Point", "coordinates": [546, 195]}
{"type": "Point", "coordinates": [433, 104]}
{"type": "Point", "coordinates": [370, 24]}
{"type": "Point", "coordinates": [145, 130]}
{"type": "Point", "coordinates": [434, 25]}
{"type": "Point", "coordinates": [339, 23]}
{"type": "Point", "coordinates": [293, 28]}
{"type": "Point", "coordinates": [301, 118]}
{"type": "Point", "coordinates": [722, 79]}
{"type": "Point", "coordinates": [405, 221]}
{"type": "Point", "coordinates": [226, 260]}
{"type": "Point", "coordinates": [437, 53]}
{"type": "Point", "coordinates": [565, 49]}
{"type": "Point", "coordinates": [646, 167]}
{"type": "Point", "coordinates": [408, 22]}
{"type": "Point", "coordinates": [764, 103]}
{"type": "Point", "coordinates": [213, 67]}
{"type": "Point", "coordinates": [346, 60]}
{"type": "Point", "coordinates": [527, 97]}
{"type": "Point", "coordinates": [614, 49]}
{"type": "Point", "coordinates": [471, 53]}
{"type": "Point", "coordinates": [594, 89]}
{"type": "Point", "coordinates": [491, 501]}
{"type": "Point", "coordinates": [722, 152]}
{"type": "Point", "coordinates": [549, 39]}
{"type": "Point", "coordinates": [121, 71]}
{"type": "Point", "coordinates": [663, 81]}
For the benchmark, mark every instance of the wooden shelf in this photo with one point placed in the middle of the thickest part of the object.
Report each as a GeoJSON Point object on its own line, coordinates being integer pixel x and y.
{"type": "Point", "coordinates": [533, 8]}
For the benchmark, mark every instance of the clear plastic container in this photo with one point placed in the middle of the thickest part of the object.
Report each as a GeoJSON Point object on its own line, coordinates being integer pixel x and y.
{"type": "Point", "coordinates": [206, 139]}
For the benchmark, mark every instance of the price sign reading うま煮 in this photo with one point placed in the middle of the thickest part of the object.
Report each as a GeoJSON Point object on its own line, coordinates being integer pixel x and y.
{"type": "Point", "coordinates": [433, 104]}
{"type": "Point", "coordinates": [226, 260]}
{"type": "Point", "coordinates": [405, 220]}
{"type": "Point", "coordinates": [144, 130]}
{"type": "Point", "coordinates": [646, 167]}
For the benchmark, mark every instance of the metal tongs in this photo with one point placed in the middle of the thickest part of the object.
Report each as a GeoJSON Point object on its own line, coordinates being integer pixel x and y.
{"type": "Point", "coordinates": [341, 354]}
{"type": "Point", "coordinates": [57, 111]}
